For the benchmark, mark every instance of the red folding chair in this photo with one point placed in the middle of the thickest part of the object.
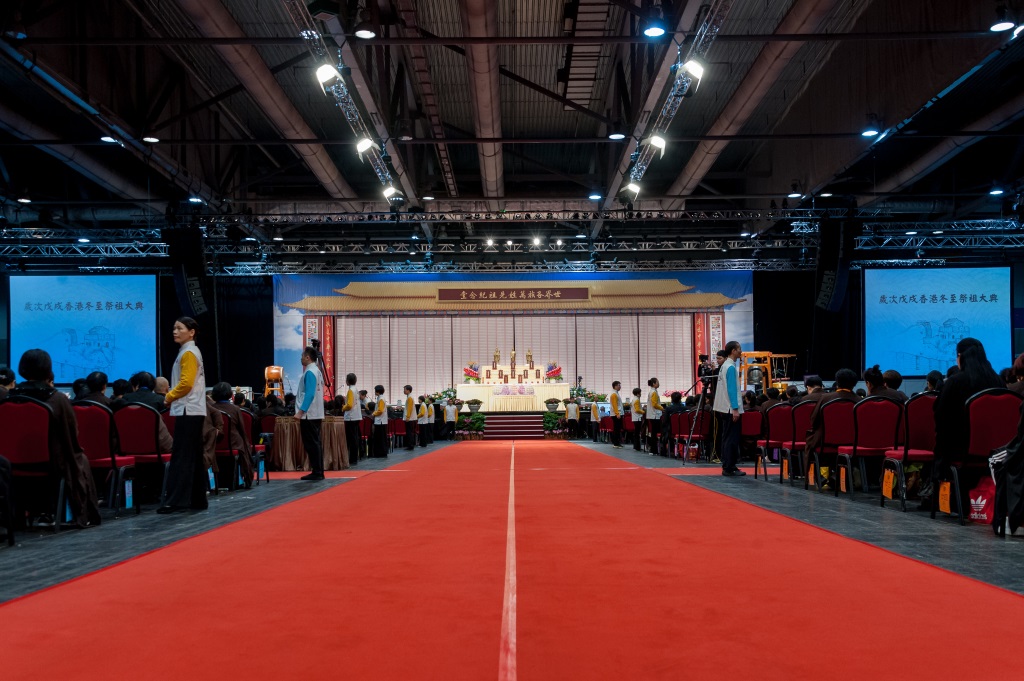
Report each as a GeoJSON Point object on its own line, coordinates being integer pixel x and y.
{"type": "Point", "coordinates": [365, 433]}
{"type": "Point", "coordinates": [226, 453]}
{"type": "Point", "coordinates": [836, 430]}
{"type": "Point", "coordinates": [25, 423]}
{"type": "Point", "coordinates": [168, 420]}
{"type": "Point", "coordinates": [751, 428]}
{"type": "Point", "coordinates": [801, 426]}
{"type": "Point", "coordinates": [138, 434]}
{"type": "Point", "coordinates": [605, 426]}
{"type": "Point", "coordinates": [918, 434]}
{"type": "Point", "coordinates": [393, 432]}
{"type": "Point", "coordinates": [992, 418]}
{"type": "Point", "coordinates": [876, 430]}
{"type": "Point", "coordinates": [259, 451]}
{"type": "Point", "coordinates": [98, 437]}
{"type": "Point", "coordinates": [778, 431]}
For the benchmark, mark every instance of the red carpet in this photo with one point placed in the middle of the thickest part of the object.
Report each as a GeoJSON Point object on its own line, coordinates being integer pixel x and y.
{"type": "Point", "coordinates": [622, 573]}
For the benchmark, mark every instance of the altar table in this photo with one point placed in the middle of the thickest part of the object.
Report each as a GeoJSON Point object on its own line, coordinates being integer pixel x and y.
{"type": "Point", "coordinates": [513, 402]}
{"type": "Point", "coordinates": [289, 455]}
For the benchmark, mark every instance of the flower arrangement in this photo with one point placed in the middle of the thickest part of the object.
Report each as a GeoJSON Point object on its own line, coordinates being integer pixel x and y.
{"type": "Point", "coordinates": [471, 372]}
{"type": "Point", "coordinates": [553, 371]}
{"type": "Point", "coordinates": [587, 395]}
{"type": "Point", "coordinates": [552, 400]}
{"type": "Point", "coordinates": [474, 401]}
{"type": "Point", "coordinates": [447, 394]}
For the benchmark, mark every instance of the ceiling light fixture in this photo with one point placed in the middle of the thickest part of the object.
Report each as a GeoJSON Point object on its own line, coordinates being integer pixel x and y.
{"type": "Point", "coordinates": [428, 198]}
{"type": "Point", "coordinates": [389, 191]}
{"type": "Point", "coordinates": [108, 139]}
{"type": "Point", "coordinates": [794, 192]}
{"type": "Point", "coordinates": [149, 139]}
{"type": "Point", "coordinates": [826, 195]}
{"type": "Point", "coordinates": [911, 233]}
{"type": "Point", "coordinates": [365, 28]}
{"type": "Point", "coordinates": [633, 187]}
{"type": "Point", "coordinates": [653, 26]}
{"type": "Point", "coordinates": [873, 128]}
{"type": "Point", "coordinates": [1002, 22]}
{"type": "Point", "coordinates": [24, 198]}
{"type": "Point", "coordinates": [694, 68]}
{"type": "Point", "coordinates": [328, 76]}
{"type": "Point", "coordinates": [83, 240]}
{"type": "Point", "coordinates": [509, 242]}
{"type": "Point", "coordinates": [996, 191]}
{"type": "Point", "coordinates": [536, 241]}
{"type": "Point", "coordinates": [490, 242]}
{"type": "Point", "coordinates": [195, 199]}
{"type": "Point", "coordinates": [616, 135]}
{"type": "Point", "coordinates": [558, 243]}
{"type": "Point", "coordinates": [594, 196]}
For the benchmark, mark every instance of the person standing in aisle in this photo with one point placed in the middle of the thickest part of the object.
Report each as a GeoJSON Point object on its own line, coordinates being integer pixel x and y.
{"type": "Point", "coordinates": [572, 418]}
{"type": "Point", "coordinates": [186, 476]}
{"type": "Point", "coordinates": [410, 419]}
{"type": "Point", "coordinates": [430, 420]}
{"type": "Point", "coordinates": [637, 413]}
{"type": "Point", "coordinates": [309, 410]}
{"type": "Point", "coordinates": [617, 414]}
{"type": "Point", "coordinates": [353, 413]}
{"type": "Point", "coordinates": [595, 421]}
{"type": "Point", "coordinates": [451, 417]}
{"type": "Point", "coordinates": [380, 423]}
{"type": "Point", "coordinates": [654, 410]}
{"type": "Point", "coordinates": [422, 422]}
{"type": "Point", "coordinates": [728, 409]}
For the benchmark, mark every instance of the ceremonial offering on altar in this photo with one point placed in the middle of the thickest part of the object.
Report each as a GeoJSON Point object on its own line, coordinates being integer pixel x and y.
{"type": "Point", "coordinates": [513, 387]}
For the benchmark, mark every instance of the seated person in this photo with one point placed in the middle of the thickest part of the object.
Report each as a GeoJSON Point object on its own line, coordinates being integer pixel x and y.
{"type": "Point", "coordinates": [259, 405]}
{"type": "Point", "coordinates": [815, 390]}
{"type": "Point", "coordinates": [239, 400]}
{"type": "Point", "coordinates": [934, 380]}
{"type": "Point", "coordinates": [162, 386]}
{"type": "Point", "coordinates": [213, 426]}
{"type": "Point", "coordinates": [749, 401]}
{"type": "Point", "coordinates": [877, 388]}
{"type": "Point", "coordinates": [96, 387]}
{"type": "Point", "coordinates": [144, 391]}
{"type": "Point", "coordinates": [771, 399]}
{"type": "Point", "coordinates": [274, 407]}
{"type": "Point", "coordinates": [118, 390]}
{"type": "Point", "coordinates": [7, 381]}
{"type": "Point", "coordinates": [221, 396]}
{"type": "Point", "coordinates": [675, 406]}
{"type": "Point", "coordinates": [894, 379]}
{"type": "Point", "coordinates": [78, 389]}
{"type": "Point", "coordinates": [66, 454]}
{"type": "Point", "coordinates": [846, 379]}
{"type": "Point", "coordinates": [792, 394]}
{"type": "Point", "coordinates": [1018, 371]}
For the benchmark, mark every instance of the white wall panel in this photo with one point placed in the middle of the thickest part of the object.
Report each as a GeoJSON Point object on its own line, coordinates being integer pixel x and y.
{"type": "Point", "coordinates": [476, 337]}
{"type": "Point", "coordinates": [667, 351]}
{"type": "Point", "coordinates": [552, 339]}
{"type": "Point", "coordinates": [607, 349]}
{"type": "Point", "coordinates": [420, 355]}
{"type": "Point", "coordinates": [362, 347]}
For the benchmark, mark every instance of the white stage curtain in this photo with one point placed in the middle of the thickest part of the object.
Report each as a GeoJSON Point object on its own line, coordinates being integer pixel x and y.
{"type": "Point", "coordinates": [476, 337]}
{"type": "Point", "coordinates": [363, 347]}
{"type": "Point", "coordinates": [552, 339]}
{"type": "Point", "coordinates": [607, 350]}
{"type": "Point", "coordinates": [667, 351]}
{"type": "Point", "coordinates": [420, 355]}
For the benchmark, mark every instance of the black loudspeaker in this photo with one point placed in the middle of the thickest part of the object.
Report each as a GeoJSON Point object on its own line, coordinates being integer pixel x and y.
{"type": "Point", "coordinates": [837, 239]}
{"type": "Point", "coordinates": [188, 263]}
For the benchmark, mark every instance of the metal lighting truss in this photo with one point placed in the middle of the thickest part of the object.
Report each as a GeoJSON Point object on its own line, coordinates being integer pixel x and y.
{"type": "Point", "coordinates": [36, 249]}
{"type": "Point", "coordinates": [60, 234]}
{"type": "Point", "coordinates": [343, 98]}
{"type": "Point", "coordinates": [947, 225]}
{"type": "Point", "coordinates": [706, 34]}
{"type": "Point", "coordinates": [962, 242]}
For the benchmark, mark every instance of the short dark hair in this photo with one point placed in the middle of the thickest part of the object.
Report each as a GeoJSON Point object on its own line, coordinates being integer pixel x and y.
{"type": "Point", "coordinates": [7, 376]}
{"type": "Point", "coordinates": [96, 381]}
{"type": "Point", "coordinates": [36, 365]}
{"type": "Point", "coordinates": [731, 346]}
{"type": "Point", "coordinates": [676, 397]}
{"type": "Point", "coordinates": [792, 391]}
{"type": "Point", "coordinates": [772, 393]}
{"type": "Point", "coordinates": [289, 397]}
{"type": "Point", "coordinates": [722, 353]}
{"type": "Point", "coordinates": [121, 387]}
{"type": "Point", "coordinates": [142, 379]}
{"type": "Point", "coordinates": [273, 400]}
{"type": "Point", "coordinates": [408, 387]}
{"type": "Point", "coordinates": [813, 381]}
{"type": "Point", "coordinates": [951, 371]}
{"type": "Point", "coordinates": [892, 378]}
{"type": "Point", "coordinates": [873, 377]}
{"type": "Point", "coordinates": [691, 401]}
{"type": "Point", "coordinates": [616, 383]}
{"type": "Point", "coordinates": [221, 392]}
{"type": "Point", "coordinates": [311, 352]}
{"type": "Point", "coordinates": [846, 379]}
{"type": "Point", "coordinates": [78, 387]}
{"type": "Point", "coordinates": [652, 381]}
{"type": "Point", "coordinates": [239, 399]}
{"type": "Point", "coordinates": [363, 392]}
{"type": "Point", "coordinates": [350, 379]}
{"type": "Point", "coordinates": [378, 389]}
{"type": "Point", "coordinates": [188, 323]}
{"type": "Point", "coordinates": [636, 391]}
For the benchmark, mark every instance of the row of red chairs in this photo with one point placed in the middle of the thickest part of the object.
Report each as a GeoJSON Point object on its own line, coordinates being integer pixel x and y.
{"type": "Point", "coordinates": [879, 428]}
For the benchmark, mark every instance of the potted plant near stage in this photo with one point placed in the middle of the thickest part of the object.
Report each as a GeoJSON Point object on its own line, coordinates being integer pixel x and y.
{"type": "Point", "coordinates": [552, 403]}
{"type": "Point", "coordinates": [477, 424]}
{"type": "Point", "coordinates": [554, 426]}
{"type": "Point", "coordinates": [474, 404]}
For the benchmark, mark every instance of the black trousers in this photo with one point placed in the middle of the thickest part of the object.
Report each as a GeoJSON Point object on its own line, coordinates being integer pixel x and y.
{"type": "Point", "coordinates": [309, 429]}
{"type": "Point", "coordinates": [638, 429]}
{"type": "Point", "coordinates": [617, 431]}
{"type": "Point", "coordinates": [410, 435]}
{"type": "Point", "coordinates": [730, 451]}
{"type": "Point", "coordinates": [353, 440]}
{"type": "Point", "coordinates": [574, 428]}
{"type": "Point", "coordinates": [187, 480]}
{"type": "Point", "coordinates": [449, 430]}
{"type": "Point", "coordinates": [424, 434]}
{"type": "Point", "coordinates": [380, 439]}
{"type": "Point", "coordinates": [428, 430]}
{"type": "Point", "coordinates": [654, 439]}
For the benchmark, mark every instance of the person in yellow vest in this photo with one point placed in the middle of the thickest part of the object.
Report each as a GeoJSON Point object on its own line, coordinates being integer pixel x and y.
{"type": "Point", "coordinates": [595, 421]}
{"type": "Point", "coordinates": [410, 419]}
{"type": "Point", "coordinates": [637, 413]}
{"type": "Point", "coordinates": [430, 420]}
{"type": "Point", "coordinates": [451, 418]}
{"type": "Point", "coordinates": [617, 414]}
{"type": "Point", "coordinates": [572, 417]}
{"type": "Point", "coordinates": [654, 410]}
{"type": "Point", "coordinates": [353, 413]}
{"type": "Point", "coordinates": [421, 419]}
{"type": "Point", "coordinates": [380, 422]}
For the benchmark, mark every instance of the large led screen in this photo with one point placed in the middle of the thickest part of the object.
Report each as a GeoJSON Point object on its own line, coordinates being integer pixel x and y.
{"type": "Point", "coordinates": [87, 323]}
{"type": "Point", "coordinates": [913, 318]}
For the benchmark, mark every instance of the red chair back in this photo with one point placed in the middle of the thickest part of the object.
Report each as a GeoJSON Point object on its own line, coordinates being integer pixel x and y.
{"type": "Point", "coordinates": [919, 421]}
{"type": "Point", "coordinates": [95, 430]}
{"type": "Point", "coordinates": [224, 438]}
{"type": "Point", "coordinates": [876, 422]}
{"type": "Point", "coordinates": [267, 423]}
{"type": "Point", "coordinates": [627, 424]}
{"type": "Point", "coordinates": [779, 422]}
{"type": "Point", "coordinates": [366, 427]}
{"type": "Point", "coordinates": [837, 423]}
{"type": "Point", "coordinates": [138, 429]}
{"type": "Point", "coordinates": [992, 416]}
{"type": "Point", "coordinates": [679, 423]}
{"type": "Point", "coordinates": [397, 426]}
{"type": "Point", "coordinates": [802, 421]}
{"type": "Point", "coordinates": [605, 423]}
{"type": "Point", "coordinates": [751, 423]}
{"type": "Point", "coordinates": [25, 424]}
{"type": "Point", "coordinates": [247, 419]}
{"type": "Point", "coordinates": [168, 421]}
{"type": "Point", "coordinates": [704, 419]}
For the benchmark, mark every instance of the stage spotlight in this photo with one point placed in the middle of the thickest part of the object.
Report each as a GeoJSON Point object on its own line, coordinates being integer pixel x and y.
{"type": "Point", "coordinates": [694, 68]}
{"type": "Point", "coordinates": [327, 76]}
{"type": "Point", "coordinates": [277, 235]}
{"type": "Point", "coordinates": [365, 144]}
{"type": "Point", "coordinates": [83, 240]}
{"type": "Point", "coordinates": [509, 242]}
{"type": "Point", "coordinates": [633, 187]}
{"type": "Point", "coordinates": [108, 139]}
{"type": "Point", "coordinates": [24, 198]}
{"type": "Point", "coordinates": [1002, 22]}
{"type": "Point", "coordinates": [490, 242]}
{"type": "Point", "coordinates": [536, 241]}
{"type": "Point", "coordinates": [658, 142]}
{"type": "Point", "coordinates": [654, 26]}
{"type": "Point", "coordinates": [558, 243]}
